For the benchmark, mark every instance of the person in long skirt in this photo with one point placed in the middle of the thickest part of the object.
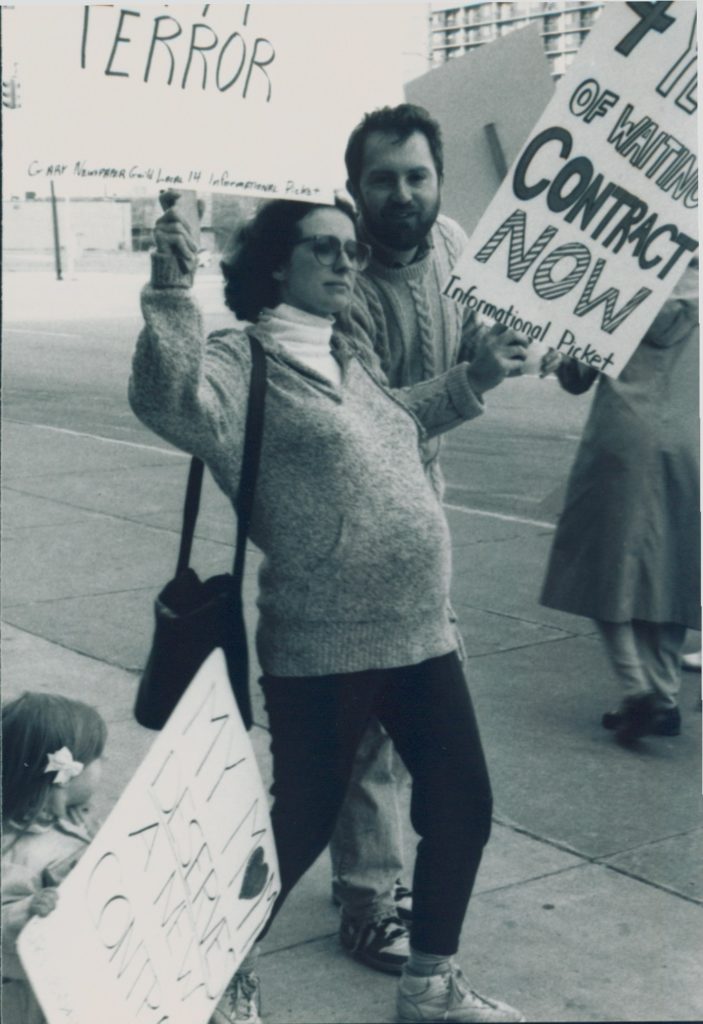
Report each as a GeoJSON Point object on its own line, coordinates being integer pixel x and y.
{"type": "Point", "coordinates": [627, 547]}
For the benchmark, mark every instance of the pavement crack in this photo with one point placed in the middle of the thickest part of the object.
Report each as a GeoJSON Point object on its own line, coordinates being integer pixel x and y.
{"type": "Point", "coordinates": [518, 647]}
{"type": "Point", "coordinates": [529, 622]}
{"type": "Point", "coordinates": [74, 597]}
{"type": "Point", "coordinates": [323, 937]}
{"type": "Point", "coordinates": [76, 650]}
{"type": "Point", "coordinates": [648, 881]}
{"type": "Point", "coordinates": [488, 540]}
{"type": "Point", "coordinates": [598, 860]}
{"type": "Point", "coordinates": [528, 881]}
{"type": "Point", "coordinates": [655, 842]}
{"type": "Point", "coordinates": [113, 516]}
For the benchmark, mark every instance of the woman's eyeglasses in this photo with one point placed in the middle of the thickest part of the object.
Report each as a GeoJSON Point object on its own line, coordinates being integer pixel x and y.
{"type": "Point", "coordinates": [327, 249]}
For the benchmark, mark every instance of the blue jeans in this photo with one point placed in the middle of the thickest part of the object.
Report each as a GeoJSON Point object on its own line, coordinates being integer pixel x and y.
{"type": "Point", "coordinates": [367, 844]}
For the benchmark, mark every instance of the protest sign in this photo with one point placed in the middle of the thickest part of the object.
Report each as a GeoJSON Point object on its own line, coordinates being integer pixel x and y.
{"type": "Point", "coordinates": [177, 884]}
{"type": "Point", "coordinates": [597, 218]}
{"type": "Point", "coordinates": [251, 99]}
{"type": "Point", "coordinates": [481, 85]}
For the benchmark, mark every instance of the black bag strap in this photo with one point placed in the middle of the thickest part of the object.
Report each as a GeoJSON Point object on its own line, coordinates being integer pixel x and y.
{"type": "Point", "coordinates": [190, 512]}
{"type": "Point", "coordinates": [253, 431]}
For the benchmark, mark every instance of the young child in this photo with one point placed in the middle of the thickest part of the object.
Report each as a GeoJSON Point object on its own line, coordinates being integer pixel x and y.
{"type": "Point", "coordinates": [51, 750]}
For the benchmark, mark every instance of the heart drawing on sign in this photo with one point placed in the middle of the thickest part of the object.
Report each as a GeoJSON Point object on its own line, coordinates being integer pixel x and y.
{"type": "Point", "coordinates": [255, 875]}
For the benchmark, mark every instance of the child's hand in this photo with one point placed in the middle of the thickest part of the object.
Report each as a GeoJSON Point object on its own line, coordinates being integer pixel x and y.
{"type": "Point", "coordinates": [44, 902]}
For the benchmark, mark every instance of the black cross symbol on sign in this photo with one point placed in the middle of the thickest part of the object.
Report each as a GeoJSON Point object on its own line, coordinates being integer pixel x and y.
{"type": "Point", "coordinates": [652, 17]}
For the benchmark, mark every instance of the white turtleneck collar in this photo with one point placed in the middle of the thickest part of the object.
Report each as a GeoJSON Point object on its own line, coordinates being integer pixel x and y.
{"type": "Point", "coordinates": [305, 336]}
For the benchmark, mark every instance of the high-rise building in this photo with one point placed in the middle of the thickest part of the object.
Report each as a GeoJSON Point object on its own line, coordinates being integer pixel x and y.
{"type": "Point", "coordinates": [456, 29]}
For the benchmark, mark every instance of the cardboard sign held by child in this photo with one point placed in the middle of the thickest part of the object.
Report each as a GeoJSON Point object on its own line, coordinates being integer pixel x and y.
{"type": "Point", "coordinates": [176, 886]}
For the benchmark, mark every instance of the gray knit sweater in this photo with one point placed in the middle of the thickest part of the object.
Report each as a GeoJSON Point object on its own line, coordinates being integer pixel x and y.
{"type": "Point", "coordinates": [416, 331]}
{"type": "Point", "coordinates": [356, 567]}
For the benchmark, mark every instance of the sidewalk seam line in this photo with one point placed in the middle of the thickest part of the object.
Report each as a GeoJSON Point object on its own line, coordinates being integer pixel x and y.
{"type": "Point", "coordinates": [521, 618]}
{"type": "Point", "coordinates": [106, 515]}
{"type": "Point", "coordinates": [97, 437]}
{"type": "Point", "coordinates": [74, 650]}
{"type": "Point", "coordinates": [519, 647]}
{"type": "Point", "coordinates": [600, 861]}
{"type": "Point", "coordinates": [654, 885]}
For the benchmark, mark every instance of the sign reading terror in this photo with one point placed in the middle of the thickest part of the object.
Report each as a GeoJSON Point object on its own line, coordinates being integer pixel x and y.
{"type": "Point", "coordinates": [252, 99]}
{"type": "Point", "coordinates": [596, 219]}
{"type": "Point", "coordinates": [173, 891]}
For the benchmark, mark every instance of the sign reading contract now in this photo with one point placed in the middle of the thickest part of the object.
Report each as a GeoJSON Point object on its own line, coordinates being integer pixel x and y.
{"type": "Point", "coordinates": [174, 889]}
{"type": "Point", "coordinates": [596, 219]}
{"type": "Point", "coordinates": [252, 99]}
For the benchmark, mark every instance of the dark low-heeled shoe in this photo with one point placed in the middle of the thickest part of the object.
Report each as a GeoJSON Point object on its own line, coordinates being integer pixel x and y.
{"type": "Point", "coordinates": [611, 720]}
{"type": "Point", "coordinates": [666, 723]}
{"type": "Point", "coordinates": [638, 718]}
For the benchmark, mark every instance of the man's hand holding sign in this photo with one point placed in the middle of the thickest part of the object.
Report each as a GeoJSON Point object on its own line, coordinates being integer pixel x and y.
{"type": "Point", "coordinates": [500, 353]}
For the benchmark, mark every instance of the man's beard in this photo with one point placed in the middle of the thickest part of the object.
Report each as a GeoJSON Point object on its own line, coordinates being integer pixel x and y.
{"type": "Point", "coordinates": [399, 234]}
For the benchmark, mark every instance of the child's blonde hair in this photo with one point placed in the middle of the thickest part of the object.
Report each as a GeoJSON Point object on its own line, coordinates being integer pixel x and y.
{"type": "Point", "coordinates": [34, 726]}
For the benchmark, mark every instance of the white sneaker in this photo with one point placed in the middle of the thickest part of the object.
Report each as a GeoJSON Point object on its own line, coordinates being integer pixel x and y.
{"type": "Point", "coordinates": [447, 997]}
{"type": "Point", "coordinates": [240, 1002]}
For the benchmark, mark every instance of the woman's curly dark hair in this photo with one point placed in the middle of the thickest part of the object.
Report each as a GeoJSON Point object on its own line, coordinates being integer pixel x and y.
{"type": "Point", "coordinates": [261, 246]}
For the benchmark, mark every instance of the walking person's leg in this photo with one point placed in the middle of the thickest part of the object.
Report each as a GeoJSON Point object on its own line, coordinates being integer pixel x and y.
{"type": "Point", "coordinates": [316, 725]}
{"type": "Point", "coordinates": [366, 852]}
{"type": "Point", "coordinates": [645, 657]}
{"type": "Point", "coordinates": [427, 711]}
{"type": "Point", "coordinates": [623, 654]}
{"type": "Point", "coordinates": [659, 645]}
{"type": "Point", "coordinates": [634, 717]}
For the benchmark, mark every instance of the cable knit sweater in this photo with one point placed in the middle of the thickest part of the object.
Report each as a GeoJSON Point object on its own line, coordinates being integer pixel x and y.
{"type": "Point", "coordinates": [416, 332]}
{"type": "Point", "coordinates": [356, 567]}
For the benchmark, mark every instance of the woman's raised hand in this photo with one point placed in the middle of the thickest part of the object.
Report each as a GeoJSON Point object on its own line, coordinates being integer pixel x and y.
{"type": "Point", "coordinates": [173, 235]}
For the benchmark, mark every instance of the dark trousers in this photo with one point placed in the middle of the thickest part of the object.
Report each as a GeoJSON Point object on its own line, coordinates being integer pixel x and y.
{"type": "Point", "coordinates": [316, 725]}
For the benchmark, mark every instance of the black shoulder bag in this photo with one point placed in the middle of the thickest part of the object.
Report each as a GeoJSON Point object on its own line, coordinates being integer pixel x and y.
{"type": "Point", "coordinates": [195, 616]}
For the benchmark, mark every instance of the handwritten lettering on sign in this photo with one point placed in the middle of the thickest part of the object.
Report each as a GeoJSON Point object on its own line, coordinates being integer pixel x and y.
{"type": "Point", "coordinates": [597, 218]}
{"type": "Point", "coordinates": [176, 886]}
{"type": "Point", "coordinates": [191, 55]}
{"type": "Point", "coordinates": [234, 98]}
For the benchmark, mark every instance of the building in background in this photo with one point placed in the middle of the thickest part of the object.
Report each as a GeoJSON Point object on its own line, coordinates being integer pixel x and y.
{"type": "Point", "coordinates": [456, 29]}
{"type": "Point", "coordinates": [83, 223]}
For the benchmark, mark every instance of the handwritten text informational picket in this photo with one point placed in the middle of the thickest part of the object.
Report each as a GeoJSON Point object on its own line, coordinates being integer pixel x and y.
{"type": "Point", "coordinates": [596, 219]}
{"type": "Point", "coordinates": [176, 886]}
{"type": "Point", "coordinates": [254, 99]}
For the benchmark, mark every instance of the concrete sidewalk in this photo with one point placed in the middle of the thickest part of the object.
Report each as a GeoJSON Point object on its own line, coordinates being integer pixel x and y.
{"type": "Point", "coordinates": [588, 903]}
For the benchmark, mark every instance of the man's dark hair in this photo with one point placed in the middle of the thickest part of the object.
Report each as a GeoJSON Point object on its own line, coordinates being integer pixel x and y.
{"type": "Point", "coordinates": [262, 246]}
{"type": "Point", "coordinates": [400, 121]}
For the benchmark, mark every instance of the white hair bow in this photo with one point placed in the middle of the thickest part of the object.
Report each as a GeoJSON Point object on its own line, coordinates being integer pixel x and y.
{"type": "Point", "coordinates": [61, 762]}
